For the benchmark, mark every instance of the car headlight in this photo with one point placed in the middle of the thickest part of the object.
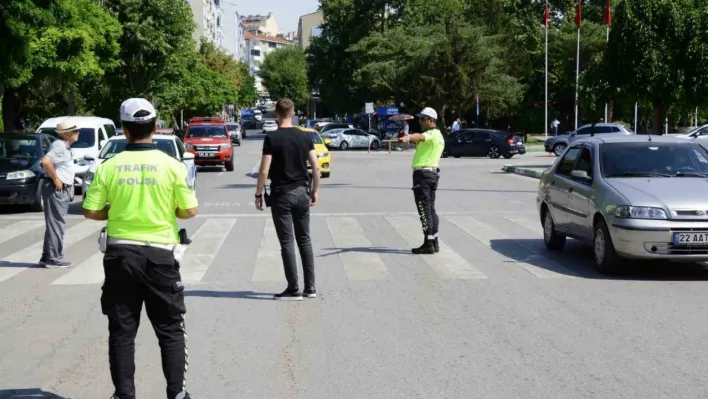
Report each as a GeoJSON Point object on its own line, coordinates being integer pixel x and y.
{"type": "Point", "coordinates": [323, 155]}
{"type": "Point", "coordinates": [189, 147]}
{"type": "Point", "coordinates": [21, 174]}
{"type": "Point", "coordinates": [88, 178]}
{"type": "Point", "coordinates": [639, 212]}
{"type": "Point", "coordinates": [225, 146]}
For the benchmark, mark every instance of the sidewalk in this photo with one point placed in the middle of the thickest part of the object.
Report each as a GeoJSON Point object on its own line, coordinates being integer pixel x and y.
{"type": "Point", "coordinates": [533, 171]}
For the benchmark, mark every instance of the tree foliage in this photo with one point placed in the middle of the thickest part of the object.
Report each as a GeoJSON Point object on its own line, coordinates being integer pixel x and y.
{"type": "Point", "coordinates": [284, 74]}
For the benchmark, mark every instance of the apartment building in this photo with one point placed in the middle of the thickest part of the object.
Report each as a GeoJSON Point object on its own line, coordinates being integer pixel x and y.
{"type": "Point", "coordinates": [309, 27]}
{"type": "Point", "coordinates": [261, 24]}
{"type": "Point", "coordinates": [258, 46]}
{"type": "Point", "coordinates": [207, 16]}
{"type": "Point", "coordinates": [234, 35]}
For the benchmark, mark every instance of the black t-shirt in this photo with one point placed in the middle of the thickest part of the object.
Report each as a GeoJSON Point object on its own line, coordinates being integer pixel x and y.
{"type": "Point", "coordinates": [289, 148]}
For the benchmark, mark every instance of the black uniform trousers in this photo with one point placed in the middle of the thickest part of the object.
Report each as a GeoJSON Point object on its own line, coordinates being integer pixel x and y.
{"type": "Point", "coordinates": [137, 274]}
{"type": "Point", "coordinates": [425, 184]}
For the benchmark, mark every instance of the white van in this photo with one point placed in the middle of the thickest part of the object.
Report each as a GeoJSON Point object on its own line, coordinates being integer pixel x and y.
{"type": "Point", "coordinates": [258, 114]}
{"type": "Point", "coordinates": [93, 133]}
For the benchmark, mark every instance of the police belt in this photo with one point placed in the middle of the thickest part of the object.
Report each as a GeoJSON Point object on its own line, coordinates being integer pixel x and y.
{"type": "Point", "coordinates": [430, 168]}
{"type": "Point", "coordinates": [117, 241]}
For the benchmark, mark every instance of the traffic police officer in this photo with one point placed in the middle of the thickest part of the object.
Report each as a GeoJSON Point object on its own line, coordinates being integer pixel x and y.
{"type": "Point", "coordinates": [140, 192]}
{"type": "Point", "coordinates": [429, 149]}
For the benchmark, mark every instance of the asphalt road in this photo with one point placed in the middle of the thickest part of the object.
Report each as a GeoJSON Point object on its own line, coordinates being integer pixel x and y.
{"type": "Point", "coordinates": [492, 316]}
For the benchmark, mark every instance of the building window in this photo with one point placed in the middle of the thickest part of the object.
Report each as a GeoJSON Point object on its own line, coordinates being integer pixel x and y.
{"type": "Point", "coordinates": [218, 22]}
{"type": "Point", "coordinates": [255, 52]}
{"type": "Point", "coordinates": [272, 45]}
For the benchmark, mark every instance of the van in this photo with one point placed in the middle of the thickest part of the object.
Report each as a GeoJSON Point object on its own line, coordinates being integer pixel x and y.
{"type": "Point", "coordinates": [93, 133]}
{"type": "Point", "coordinates": [259, 115]}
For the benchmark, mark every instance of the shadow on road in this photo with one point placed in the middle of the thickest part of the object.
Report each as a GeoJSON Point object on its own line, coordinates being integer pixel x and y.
{"type": "Point", "coordinates": [374, 250]}
{"type": "Point", "coordinates": [230, 294]}
{"type": "Point", "coordinates": [577, 260]}
{"type": "Point", "coordinates": [28, 393]}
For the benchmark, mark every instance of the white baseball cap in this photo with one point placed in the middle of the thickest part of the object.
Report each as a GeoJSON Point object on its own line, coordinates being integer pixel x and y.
{"type": "Point", "coordinates": [131, 106]}
{"type": "Point", "coordinates": [428, 113]}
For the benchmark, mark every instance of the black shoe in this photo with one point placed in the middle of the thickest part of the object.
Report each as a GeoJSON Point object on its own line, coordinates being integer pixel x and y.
{"type": "Point", "coordinates": [310, 293]}
{"type": "Point", "coordinates": [427, 248]}
{"type": "Point", "coordinates": [288, 295]}
{"type": "Point", "coordinates": [436, 245]}
{"type": "Point", "coordinates": [62, 264]}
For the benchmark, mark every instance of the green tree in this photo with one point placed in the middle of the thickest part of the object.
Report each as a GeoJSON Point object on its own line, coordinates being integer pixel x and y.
{"type": "Point", "coordinates": [284, 74]}
{"type": "Point", "coordinates": [52, 46]}
{"type": "Point", "coordinates": [247, 95]}
{"type": "Point", "coordinates": [219, 61]}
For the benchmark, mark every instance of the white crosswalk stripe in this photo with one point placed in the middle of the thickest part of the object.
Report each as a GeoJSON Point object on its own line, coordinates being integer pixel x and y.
{"type": "Point", "coordinates": [512, 244]}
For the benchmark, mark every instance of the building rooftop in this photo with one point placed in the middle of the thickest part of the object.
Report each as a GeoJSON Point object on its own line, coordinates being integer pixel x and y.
{"type": "Point", "coordinates": [257, 17]}
{"type": "Point", "coordinates": [264, 38]}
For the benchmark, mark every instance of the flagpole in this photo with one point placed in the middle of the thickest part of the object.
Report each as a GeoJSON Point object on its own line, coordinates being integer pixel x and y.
{"type": "Point", "coordinates": [607, 39]}
{"type": "Point", "coordinates": [635, 118]}
{"type": "Point", "coordinates": [546, 105]}
{"type": "Point", "coordinates": [577, 79]}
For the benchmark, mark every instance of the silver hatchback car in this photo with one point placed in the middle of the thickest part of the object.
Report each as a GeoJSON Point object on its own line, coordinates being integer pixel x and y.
{"type": "Point", "coordinates": [633, 197]}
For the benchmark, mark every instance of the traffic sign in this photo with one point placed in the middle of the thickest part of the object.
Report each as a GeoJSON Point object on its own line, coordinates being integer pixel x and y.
{"type": "Point", "coordinates": [369, 108]}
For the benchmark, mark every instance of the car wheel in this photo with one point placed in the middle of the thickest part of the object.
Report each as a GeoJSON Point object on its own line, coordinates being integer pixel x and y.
{"type": "Point", "coordinates": [606, 259]}
{"type": "Point", "coordinates": [508, 156]}
{"type": "Point", "coordinates": [38, 205]}
{"type": "Point", "coordinates": [230, 165]}
{"type": "Point", "coordinates": [325, 174]}
{"type": "Point", "coordinates": [375, 145]}
{"type": "Point", "coordinates": [558, 149]}
{"type": "Point", "coordinates": [344, 145]}
{"type": "Point", "coordinates": [493, 152]}
{"type": "Point", "coordinates": [554, 240]}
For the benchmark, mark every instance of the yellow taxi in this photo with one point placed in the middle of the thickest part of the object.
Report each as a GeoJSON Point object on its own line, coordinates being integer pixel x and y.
{"type": "Point", "coordinates": [323, 155]}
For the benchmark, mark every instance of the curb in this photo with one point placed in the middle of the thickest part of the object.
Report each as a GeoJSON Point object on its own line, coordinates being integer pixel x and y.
{"type": "Point", "coordinates": [533, 173]}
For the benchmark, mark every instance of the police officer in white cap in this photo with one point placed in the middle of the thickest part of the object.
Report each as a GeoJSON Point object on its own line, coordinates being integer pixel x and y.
{"type": "Point", "coordinates": [426, 161]}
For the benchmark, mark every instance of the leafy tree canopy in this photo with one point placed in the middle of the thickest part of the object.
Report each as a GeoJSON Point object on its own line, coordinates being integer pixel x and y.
{"type": "Point", "coordinates": [284, 74]}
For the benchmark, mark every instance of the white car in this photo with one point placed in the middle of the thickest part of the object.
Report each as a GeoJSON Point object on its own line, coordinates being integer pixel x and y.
{"type": "Point", "coordinates": [345, 139]}
{"type": "Point", "coordinates": [269, 126]}
{"type": "Point", "coordinates": [700, 131]}
{"type": "Point", "coordinates": [167, 143]}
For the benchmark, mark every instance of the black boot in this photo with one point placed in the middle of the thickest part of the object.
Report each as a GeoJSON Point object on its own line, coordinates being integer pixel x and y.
{"type": "Point", "coordinates": [436, 245]}
{"type": "Point", "coordinates": [428, 248]}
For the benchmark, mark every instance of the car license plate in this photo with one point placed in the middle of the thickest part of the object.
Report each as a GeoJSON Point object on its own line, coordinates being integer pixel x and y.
{"type": "Point", "coordinates": [207, 154]}
{"type": "Point", "coordinates": [691, 238]}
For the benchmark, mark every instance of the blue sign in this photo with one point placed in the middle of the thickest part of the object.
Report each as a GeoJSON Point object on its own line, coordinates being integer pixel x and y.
{"type": "Point", "coordinates": [386, 111]}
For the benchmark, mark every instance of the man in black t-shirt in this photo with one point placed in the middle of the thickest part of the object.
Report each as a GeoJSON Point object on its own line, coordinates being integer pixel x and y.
{"type": "Point", "coordinates": [286, 153]}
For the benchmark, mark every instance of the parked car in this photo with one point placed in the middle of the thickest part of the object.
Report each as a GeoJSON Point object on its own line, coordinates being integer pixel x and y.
{"type": "Point", "coordinates": [21, 175]}
{"type": "Point", "coordinates": [693, 134]}
{"type": "Point", "coordinates": [558, 144]}
{"type": "Point", "coordinates": [167, 143]}
{"type": "Point", "coordinates": [324, 157]}
{"type": "Point", "coordinates": [235, 132]}
{"type": "Point", "coordinates": [630, 197]}
{"type": "Point", "coordinates": [345, 139]}
{"type": "Point", "coordinates": [269, 126]}
{"type": "Point", "coordinates": [208, 139]}
{"type": "Point", "coordinates": [483, 142]}
{"type": "Point", "coordinates": [331, 126]}
{"type": "Point", "coordinates": [92, 132]}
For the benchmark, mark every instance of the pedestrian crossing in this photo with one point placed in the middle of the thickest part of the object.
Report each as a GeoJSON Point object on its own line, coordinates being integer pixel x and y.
{"type": "Point", "coordinates": [473, 248]}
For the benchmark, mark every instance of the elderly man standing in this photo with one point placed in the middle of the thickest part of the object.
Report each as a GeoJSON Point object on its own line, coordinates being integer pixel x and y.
{"type": "Point", "coordinates": [58, 165]}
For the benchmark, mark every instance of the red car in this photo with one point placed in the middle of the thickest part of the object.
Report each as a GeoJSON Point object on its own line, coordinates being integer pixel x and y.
{"type": "Point", "coordinates": [210, 142]}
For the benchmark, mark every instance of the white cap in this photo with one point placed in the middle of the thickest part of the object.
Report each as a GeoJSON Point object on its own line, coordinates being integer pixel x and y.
{"type": "Point", "coordinates": [131, 106]}
{"type": "Point", "coordinates": [429, 113]}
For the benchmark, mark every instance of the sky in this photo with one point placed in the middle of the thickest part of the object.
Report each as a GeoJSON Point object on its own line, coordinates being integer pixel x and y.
{"type": "Point", "coordinates": [287, 12]}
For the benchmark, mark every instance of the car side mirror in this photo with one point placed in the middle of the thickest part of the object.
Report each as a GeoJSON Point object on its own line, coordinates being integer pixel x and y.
{"type": "Point", "coordinates": [187, 155]}
{"type": "Point", "coordinates": [580, 174]}
{"type": "Point", "coordinates": [89, 157]}
{"type": "Point", "coordinates": [328, 141]}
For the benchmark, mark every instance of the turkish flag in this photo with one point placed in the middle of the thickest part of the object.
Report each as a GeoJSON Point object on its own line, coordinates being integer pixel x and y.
{"type": "Point", "coordinates": [608, 15]}
{"type": "Point", "coordinates": [578, 15]}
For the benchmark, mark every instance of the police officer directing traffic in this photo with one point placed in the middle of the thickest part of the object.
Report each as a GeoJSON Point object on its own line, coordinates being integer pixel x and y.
{"type": "Point", "coordinates": [429, 149]}
{"type": "Point", "coordinates": [140, 192]}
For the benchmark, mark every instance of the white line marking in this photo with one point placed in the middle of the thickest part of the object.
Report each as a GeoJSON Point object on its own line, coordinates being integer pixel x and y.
{"type": "Point", "coordinates": [255, 169]}
{"type": "Point", "coordinates": [29, 256]}
{"type": "Point", "coordinates": [88, 272]}
{"type": "Point", "coordinates": [448, 264]}
{"type": "Point", "coordinates": [527, 223]}
{"type": "Point", "coordinates": [269, 263]}
{"type": "Point", "coordinates": [482, 232]}
{"type": "Point", "coordinates": [355, 250]}
{"type": "Point", "coordinates": [17, 229]}
{"type": "Point", "coordinates": [220, 173]}
{"type": "Point", "coordinates": [204, 247]}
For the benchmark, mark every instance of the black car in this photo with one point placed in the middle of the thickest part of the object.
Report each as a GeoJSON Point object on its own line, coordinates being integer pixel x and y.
{"type": "Point", "coordinates": [21, 175]}
{"type": "Point", "coordinates": [483, 142]}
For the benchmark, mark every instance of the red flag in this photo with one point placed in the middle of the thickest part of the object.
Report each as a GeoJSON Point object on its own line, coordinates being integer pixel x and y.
{"type": "Point", "coordinates": [546, 15]}
{"type": "Point", "coordinates": [608, 15]}
{"type": "Point", "coordinates": [578, 18]}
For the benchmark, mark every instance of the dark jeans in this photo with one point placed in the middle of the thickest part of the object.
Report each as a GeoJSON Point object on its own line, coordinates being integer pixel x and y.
{"type": "Point", "coordinates": [292, 209]}
{"type": "Point", "coordinates": [136, 274]}
{"type": "Point", "coordinates": [425, 184]}
{"type": "Point", "coordinates": [56, 206]}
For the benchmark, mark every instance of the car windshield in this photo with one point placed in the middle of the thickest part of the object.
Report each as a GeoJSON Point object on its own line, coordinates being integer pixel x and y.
{"type": "Point", "coordinates": [206, 131]}
{"type": "Point", "coordinates": [648, 159]}
{"type": "Point", "coordinates": [232, 128]}
{"type": "Point", "coordinates": [18, 153]}
{"type": "Point", "coordinates": [316, 139]}
{"type": "Point", "coordinates": [87, 136]}
{"type": "Point", "coordinates": [113, 147]}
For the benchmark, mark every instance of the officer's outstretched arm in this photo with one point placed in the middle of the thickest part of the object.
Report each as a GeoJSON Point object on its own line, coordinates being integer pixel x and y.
{"type": "Point", "coordinates": [185, 197]}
